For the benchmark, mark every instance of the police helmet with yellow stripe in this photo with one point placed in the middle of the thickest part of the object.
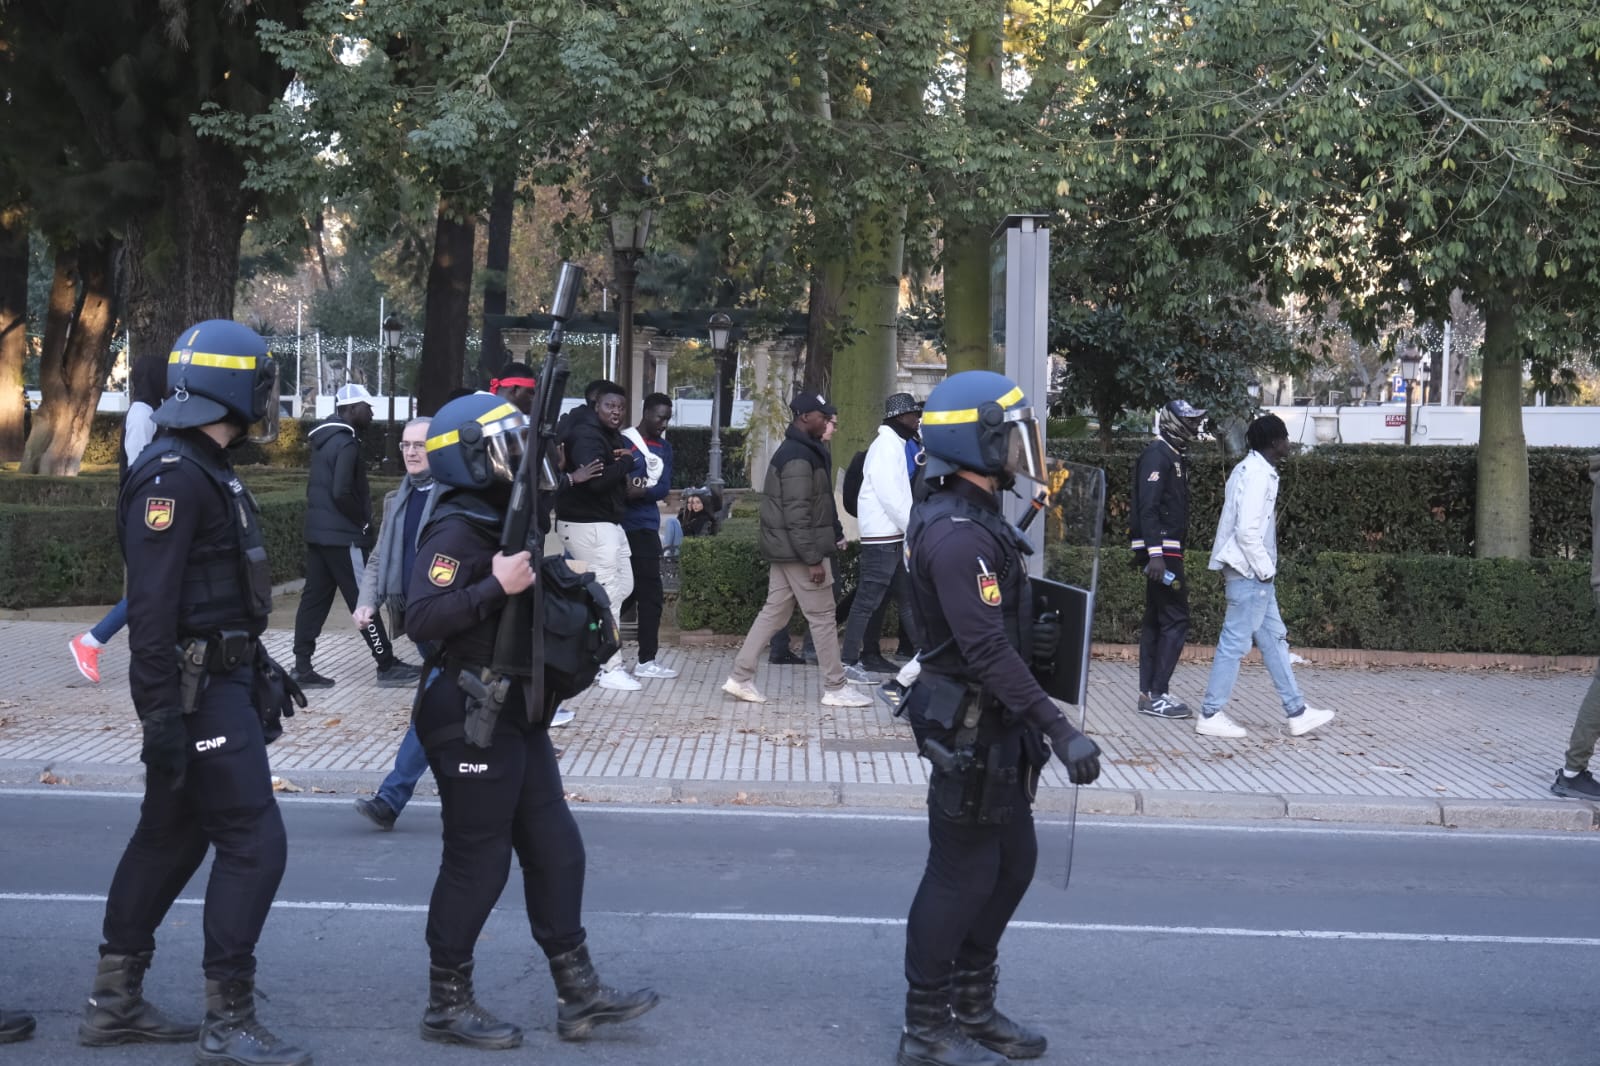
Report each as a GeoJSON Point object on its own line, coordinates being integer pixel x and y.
{"type": "Point", "coordinates": [980, 421]}
{"type": "Point", "coordinates": [219, 371]}
{"type": "Point", "coordinates": [476, 441]}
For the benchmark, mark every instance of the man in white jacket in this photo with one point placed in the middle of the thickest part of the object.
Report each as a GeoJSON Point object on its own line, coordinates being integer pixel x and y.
{"type": "Point", "coordinates": [1246, 551]}
{"type": "Point", "coordinates": [883, 511]}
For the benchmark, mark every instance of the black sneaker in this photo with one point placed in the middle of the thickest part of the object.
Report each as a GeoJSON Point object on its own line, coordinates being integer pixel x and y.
{"type": "Point", "coordinates": [1582, 787]}
{"type": "Point", "coordinates": [878, 664]}
{"type": "Point", "coordinates": [309, 678]}
{"type": "Point", "coordinates": [788, 658]}
{"type": "Point", "coordinates": [1163, 706]}
{"type": "Point", "coordinates": [377, 812]}
{"type": "Point", "coordinates": [397, 674]}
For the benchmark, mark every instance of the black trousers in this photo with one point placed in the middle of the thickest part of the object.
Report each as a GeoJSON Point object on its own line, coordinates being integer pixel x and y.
{"type": "Point", "coordinates": [975, 878]}
{"type": "Point", "coordinates": [505, 799]}
{"type": "Point", "coordinates": [225, 803]}
{"type": "Point", "coordinates": [332, 568]}
{"type": "Point", "coordinates": [645, 545]}
{"type": "Point", "coordinates": [1164, 629]}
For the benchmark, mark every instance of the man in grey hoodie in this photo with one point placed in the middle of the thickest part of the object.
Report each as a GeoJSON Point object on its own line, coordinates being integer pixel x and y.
{"type": "Point", "coordinates": [339, 534]}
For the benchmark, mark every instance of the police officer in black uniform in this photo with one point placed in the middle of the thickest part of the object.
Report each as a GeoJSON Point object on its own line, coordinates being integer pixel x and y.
{"type": "Point", "coordinates": [980, 717]}
{"type": "Point", "coordinates": [501, 792]}
{"type": "Point", "coordinates": [210, 699]}
{"type": "Point", "coordinates": [1159, 531]}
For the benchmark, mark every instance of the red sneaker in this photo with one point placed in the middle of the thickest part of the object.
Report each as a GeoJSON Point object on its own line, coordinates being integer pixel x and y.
{"type": "Point", "coordinates": [87, 658]}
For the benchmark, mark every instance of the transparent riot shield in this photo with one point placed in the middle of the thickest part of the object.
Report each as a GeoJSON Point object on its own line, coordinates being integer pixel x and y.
{"type": "Point", "coordinates": [1074, 515]}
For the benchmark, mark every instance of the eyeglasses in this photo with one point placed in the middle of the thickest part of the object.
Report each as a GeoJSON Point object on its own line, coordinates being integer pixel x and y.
{"type": "Point", "coordinates": [413, 446]}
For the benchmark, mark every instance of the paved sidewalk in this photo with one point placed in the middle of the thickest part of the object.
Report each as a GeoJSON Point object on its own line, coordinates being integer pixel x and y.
{"type": "Point", "coordinates": [1410, 746]}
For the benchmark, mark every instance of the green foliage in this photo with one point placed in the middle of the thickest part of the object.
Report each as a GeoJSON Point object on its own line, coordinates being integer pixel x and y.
{"type": "Point", "coordinates": [691, 458]}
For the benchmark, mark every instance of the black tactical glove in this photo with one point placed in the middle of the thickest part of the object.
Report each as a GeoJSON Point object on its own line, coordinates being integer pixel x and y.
{"type": "Point", "coordinates": [275, 696]}
{"type": "Point", "coordinates": [1046, 638]}
{"type": "Point", "coordinates": [1078, 753]}
{"type": "Point", "coordinates": [166, 746]}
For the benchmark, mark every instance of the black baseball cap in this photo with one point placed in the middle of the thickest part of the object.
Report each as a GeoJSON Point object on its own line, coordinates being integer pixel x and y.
{"type": "Point", "coordinates": [806, 402]}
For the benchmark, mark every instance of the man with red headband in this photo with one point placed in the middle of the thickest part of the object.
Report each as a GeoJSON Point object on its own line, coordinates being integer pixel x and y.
{"type": "Point", "coordinates": [515, 384]}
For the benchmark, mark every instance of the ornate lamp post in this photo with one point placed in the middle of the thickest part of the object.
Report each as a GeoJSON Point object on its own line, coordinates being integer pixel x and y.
{"type": "Point", "coordinates": [393, 333]}
{"type": "Point", "coordinates": [720, 329]}
{"type": "Point", "coordinates": [630, 229]}
{"type": "Point", "coordinates": [1410, 361]}
{"type": "Point", "coordinates": [1356, 389]}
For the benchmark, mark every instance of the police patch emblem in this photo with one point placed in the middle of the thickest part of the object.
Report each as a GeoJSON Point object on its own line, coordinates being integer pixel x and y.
{"type": "Point", "coordinates": [158, 513]}
{"type": "Point", "coordinates": [442, 571]}
{"type": "Point", "coordinates": [988, 584]}
{"type": "Point", "coordinates": [1155, 475]}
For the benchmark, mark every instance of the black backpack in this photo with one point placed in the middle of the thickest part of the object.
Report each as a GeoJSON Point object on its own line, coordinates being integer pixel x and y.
{"type": "Point", "coordinates": [580, 632]}
{"type": "Point", "coordinates": [854, 474]}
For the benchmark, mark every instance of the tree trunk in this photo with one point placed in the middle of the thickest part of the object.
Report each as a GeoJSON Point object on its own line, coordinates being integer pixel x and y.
{"type": "Point", "coordinates": [183, 259]}
{"type": "Point", "coordinates": [76, 359]}
{"type": "Point", "coordinates": [1502, 518]}
{"type": "Point", "coordinates": [497, 265]}
{"type": "Point", "coordinates": [447, 308]}
{"type": "Point", "coordinates": [13, 328]}
{"type": "Point", "coordinates": [822, 320]}
{"type": "Point", "coordinates": [966, 298]}
{"type": "Point", "coordinates": [864, 365]}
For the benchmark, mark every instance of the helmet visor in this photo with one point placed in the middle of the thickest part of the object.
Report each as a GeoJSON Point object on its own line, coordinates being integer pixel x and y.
{"type": "Point", "coordinates": [264, 402]}
{"type": "Point", "coordinates": [1024, 456]}
{"type": "Point", "coordinates": [504, 441]}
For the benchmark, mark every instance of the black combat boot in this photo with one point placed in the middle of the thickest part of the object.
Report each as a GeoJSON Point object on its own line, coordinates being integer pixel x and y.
{"type": "Point", "coordinates": [455, 1017]}
{"type": "Point", "coordinates": [231, 1032]}
{"type": "Point", "coordinates": [932, 1037]}
{"type": "Point", "coordinates": [582, 1002]}
{"type": "Point", "coordinates": [972, 999]}
{"type": "Point", "coordinates": [15, 1026]}
{"type": "Point", "coordinates": [118, 1013]}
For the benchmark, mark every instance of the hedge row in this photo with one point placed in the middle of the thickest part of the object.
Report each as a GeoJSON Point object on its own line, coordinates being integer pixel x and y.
{"type": "Point", "coordinates": [1369, 498]}
{"type": "Point", "coordinates": [1329, 599]}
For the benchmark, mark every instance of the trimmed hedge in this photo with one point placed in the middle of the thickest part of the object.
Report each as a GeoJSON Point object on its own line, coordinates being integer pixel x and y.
{"type": "Point", "coordinates": [1369, 498]}
{"type": "Point", "coordinates": [1330, 599]}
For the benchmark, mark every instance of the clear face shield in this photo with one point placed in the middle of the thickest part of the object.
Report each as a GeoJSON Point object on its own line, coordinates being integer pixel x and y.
{"type": "Point", "coordinates": [264, 399]}
{"type": "Point", "coordinates": [1024, 445]}
{"type": "Point", "coordinates": [504, 441]}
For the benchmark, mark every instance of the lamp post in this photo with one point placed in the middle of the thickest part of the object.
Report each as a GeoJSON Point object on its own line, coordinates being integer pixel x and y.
{"type": "Point", "coordinates": [1356, 389]}
{"type": "Point", "coordinates": [1410, 360]}
{"type": "Point", "coordinates": [630, 229]}
{"type": "Point", "coordinates": [720, 329]}
{"type": "Point", "coordinates": [393, 333]}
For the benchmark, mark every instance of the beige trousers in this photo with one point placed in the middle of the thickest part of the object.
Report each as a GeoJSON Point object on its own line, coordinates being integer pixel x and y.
{"type": "Point", "coordinates": [786, 584]}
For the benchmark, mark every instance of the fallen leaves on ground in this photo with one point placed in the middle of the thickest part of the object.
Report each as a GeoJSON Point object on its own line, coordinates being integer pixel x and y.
{"type": "Point", "coordinates": [283, 784]}
{"type": "Point", "coordinates": [48, 778]}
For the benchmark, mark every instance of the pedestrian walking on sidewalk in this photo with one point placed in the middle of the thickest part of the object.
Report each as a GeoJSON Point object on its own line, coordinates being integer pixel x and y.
{"type": "Point", "coordinates": [209, 699]}
{"type": "Point", "coordinates": [1574, 780]}
{"type": "Point", "coordinates": [799, 535]}
{"type": "Point", "coordinates": [1159, 527]}
{"type": "Point", "coordinates": [982, 719]}
{"type": "Point", "coordinates": [501, 791]}
{"type": "Point", "coordinates": [406, 511]}
{"type": "Point", "coordinates": [1246, 551]}
{"type": "Point", "coordinates": [648, 484]}
{"type": "Point", "coordinates": [339, 535]}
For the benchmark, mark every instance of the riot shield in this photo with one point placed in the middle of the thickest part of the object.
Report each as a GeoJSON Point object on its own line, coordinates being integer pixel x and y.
{"type": "Point", "coordinates": [1074, 516]}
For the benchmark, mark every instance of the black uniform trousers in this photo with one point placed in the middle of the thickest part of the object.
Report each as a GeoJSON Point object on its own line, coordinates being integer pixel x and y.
{"type": "Point", "coordinates": [1164, 629]}
{"type": "Point", "coordinates": [975, 878]}
{"type": "Point", "coordinates": [648, 595]}
{"type": "Point", "coordinates": [496, 801]}
{"type": "Point", "coordinates": [331, 568]}
{"type": "Point", "coordinates": [225, 803]}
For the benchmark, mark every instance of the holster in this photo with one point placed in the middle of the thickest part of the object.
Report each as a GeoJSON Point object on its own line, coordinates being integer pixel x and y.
{"type": "Point", "coordinates": [221, 653]}
{"type": "Point", "coordinates": [486, 693]}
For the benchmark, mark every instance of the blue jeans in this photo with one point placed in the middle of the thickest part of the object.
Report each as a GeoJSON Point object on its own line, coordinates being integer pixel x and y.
{"type": "Point", "coordinates": [1252, 615]}
{"type": "Point", "coordinates": [409, 761]}
{"type": "Point", "coordinates": [114, 620]}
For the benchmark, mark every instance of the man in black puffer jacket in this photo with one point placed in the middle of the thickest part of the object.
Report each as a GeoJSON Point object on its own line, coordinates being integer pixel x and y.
{"type": "Point", "coordinates": [339, 533]}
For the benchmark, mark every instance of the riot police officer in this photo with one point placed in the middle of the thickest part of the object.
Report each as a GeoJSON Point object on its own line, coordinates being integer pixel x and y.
{"type": "Point", "coordinates": [980, 717]}
{"type": "Point", "coordinates": [210, 700]}
{"type": "Point", "coordinates": [489, 745]}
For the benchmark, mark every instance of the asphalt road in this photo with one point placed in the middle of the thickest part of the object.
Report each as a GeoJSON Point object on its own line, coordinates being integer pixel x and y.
{"type": "Point", "coordinates": [776, 936]}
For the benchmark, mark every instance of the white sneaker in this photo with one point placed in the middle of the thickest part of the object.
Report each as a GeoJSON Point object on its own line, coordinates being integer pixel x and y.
{"type": "Point", "coordinates": [653, 669]}
{"type": "Point", "coordinates": [743, 690]}
{"type": "Point", "coordinates": [1307, 720]}
{"type": "Point", "coordinates": [846, 697]}
{"type": "Point", "coordinates": [1220, 725]}
{"type": "Point", "coordinates": [620, 680]}
{"type": "Point", "coordinates": [561, 718]}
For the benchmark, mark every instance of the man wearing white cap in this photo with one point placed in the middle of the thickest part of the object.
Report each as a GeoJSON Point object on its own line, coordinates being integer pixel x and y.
{"type": "Point", "coordinates": [339, 534]}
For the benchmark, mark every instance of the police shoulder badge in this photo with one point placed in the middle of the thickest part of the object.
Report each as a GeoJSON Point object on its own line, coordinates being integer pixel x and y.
{"type": "Point", "coordinates": [158, 512]}
{"type": "Point", "coordinates": [442, 571]}
{"type": "Point", "coordinates": [988, 584]}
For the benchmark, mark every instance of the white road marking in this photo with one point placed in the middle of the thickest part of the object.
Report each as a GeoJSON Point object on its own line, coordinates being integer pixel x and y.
{"type": "Point", "coordinates": [864, 920]}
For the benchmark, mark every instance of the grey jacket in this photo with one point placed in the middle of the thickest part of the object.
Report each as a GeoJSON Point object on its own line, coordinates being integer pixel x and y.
{"type": "Point", "coordinates": [383, 582]}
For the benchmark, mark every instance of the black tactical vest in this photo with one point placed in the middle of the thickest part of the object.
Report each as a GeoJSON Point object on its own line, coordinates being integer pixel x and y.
{"type": "Point", "coordinates": [476, 644]}
{"type": "Point", "coordinates": [224, 586]}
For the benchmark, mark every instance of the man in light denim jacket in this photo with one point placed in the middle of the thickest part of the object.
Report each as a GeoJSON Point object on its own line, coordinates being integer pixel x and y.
{"type": "Point", "coordinates": [1246, 551]}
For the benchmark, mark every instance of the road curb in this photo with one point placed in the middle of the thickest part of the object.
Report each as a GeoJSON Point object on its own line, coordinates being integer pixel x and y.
{"type": "Point", "coordinates": [1563, 815]}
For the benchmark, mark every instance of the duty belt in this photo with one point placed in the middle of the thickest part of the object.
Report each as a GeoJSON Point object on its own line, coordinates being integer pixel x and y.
{"type": "Point", "coordinates": [222, 652]}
